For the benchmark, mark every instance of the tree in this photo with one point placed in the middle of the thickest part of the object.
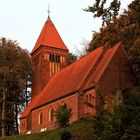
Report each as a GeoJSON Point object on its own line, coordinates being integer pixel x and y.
{"type": "Point", "coordinates": [15, 69]}
{"type": "Point", "coordinates": [100, 9]}
{"type": "Point", "coordinates": [126, 28]}
{"type": "Point", "coordinates": [62, 115]}
{"type": "Point", "coordinates": [71, 58]}
{"type": "Point", "coordinates": [117, 118]}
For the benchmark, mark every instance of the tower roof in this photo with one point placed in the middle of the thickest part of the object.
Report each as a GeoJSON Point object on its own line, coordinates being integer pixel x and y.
{"type": "Point", "coordinates": [49, 36]}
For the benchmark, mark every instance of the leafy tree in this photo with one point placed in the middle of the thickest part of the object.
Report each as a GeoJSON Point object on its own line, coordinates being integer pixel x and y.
{"type": "Point", "coordinates": [126, 28]}
{"type": "Point", "coordinates": [117, 118]}
{"type": "Point", "coordinates": [71, 58]}
{"type": "Point", "coordinates": [15, 70]}
{"type": "Point", "coordinates": [63, 114]}
{"type": "Point", "coordinates": [108, 13]}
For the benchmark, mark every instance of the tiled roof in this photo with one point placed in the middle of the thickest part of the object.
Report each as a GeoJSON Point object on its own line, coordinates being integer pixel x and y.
{"type": "Point", "coordinates": [102, 65]}
{"type": "Point", "coordinates": [72, 77]}
{"type": "Point", "coordinates": [30, 106]}
{"type": "Point", "coordinates": [69, 79]}
{"type": "Point", "coordinates": [49, 37]}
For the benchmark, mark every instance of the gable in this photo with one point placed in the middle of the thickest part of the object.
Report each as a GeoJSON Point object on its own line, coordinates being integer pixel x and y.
{"type": "Point", "coordinates": [119, 71]}
{"type": "Point", "coordinates": [113, 69]}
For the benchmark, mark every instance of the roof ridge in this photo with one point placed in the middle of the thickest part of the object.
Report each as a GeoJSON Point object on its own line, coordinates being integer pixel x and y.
{"type": "Point", "coordinates": [105, 48]}
{"type": "Point", "coordinates": [111, 56]}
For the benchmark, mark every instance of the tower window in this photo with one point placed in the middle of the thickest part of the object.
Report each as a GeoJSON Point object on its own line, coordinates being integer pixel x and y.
{"type": "Point", "coordinates": [51, 57]}
{"type": "Point", "coordinates": [89, 97]}
{"type": "Point", "coordinates": [86, 97]}
{"type": "Point", "coordinates": [54, 58]}
{"type": "Point", "coordinates": [58, 58]}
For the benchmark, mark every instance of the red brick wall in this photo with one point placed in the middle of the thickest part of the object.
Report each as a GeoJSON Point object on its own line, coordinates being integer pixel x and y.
{"type": "Point", "coordinates": [90, 97]}
{"type": "Point", "coordinates": [23, 126]}
{"type": "Point", "coordinates": [118, 75]}
{"type": "Point", "coordinates": [71, 101]}
{"type": "Point", "coordinates": [41, 67]}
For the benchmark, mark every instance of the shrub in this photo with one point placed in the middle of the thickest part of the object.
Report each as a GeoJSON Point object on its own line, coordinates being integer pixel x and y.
{"type": "Point", "coordinates": [62, 115]}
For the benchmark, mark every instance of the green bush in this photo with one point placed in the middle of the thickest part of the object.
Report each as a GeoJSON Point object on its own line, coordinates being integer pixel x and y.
{"type": "Point", "coordinates": [62, 115]}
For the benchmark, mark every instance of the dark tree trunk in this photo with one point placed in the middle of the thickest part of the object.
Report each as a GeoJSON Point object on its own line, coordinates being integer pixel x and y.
{"type": "Point", "coordinates": [16, 118]}
{"type": "Point", "coordinates": [3, 112]}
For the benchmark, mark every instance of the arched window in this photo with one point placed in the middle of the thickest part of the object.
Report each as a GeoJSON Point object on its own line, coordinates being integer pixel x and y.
{"type": "Point", "coordinates": [51, 114]}
{"type": "Point", "coordinates": [86, 97]}
{"type": "Point", "coordinates": [40, 118]}
{"type": "Point", "coordinates": [51, 57]}
{"type": "Point", "coordinates": [89, 97]}
{"type": "Point", "coordinates": [58, 58]}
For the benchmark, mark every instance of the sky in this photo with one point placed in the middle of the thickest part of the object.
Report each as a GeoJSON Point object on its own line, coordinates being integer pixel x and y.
{"type": "Point", "coordinates": [22, 20]}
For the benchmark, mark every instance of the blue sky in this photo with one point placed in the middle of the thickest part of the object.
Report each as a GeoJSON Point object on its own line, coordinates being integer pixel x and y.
{"type": "Point", "coordinates": [22, 20]}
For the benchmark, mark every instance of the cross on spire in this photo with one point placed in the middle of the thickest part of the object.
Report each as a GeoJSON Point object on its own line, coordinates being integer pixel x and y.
{"type": "Point", "coordinates": [48, 10]}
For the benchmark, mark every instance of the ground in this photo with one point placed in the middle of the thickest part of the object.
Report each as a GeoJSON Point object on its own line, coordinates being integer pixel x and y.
{"type": "Point", "coordinates": [80, 130]}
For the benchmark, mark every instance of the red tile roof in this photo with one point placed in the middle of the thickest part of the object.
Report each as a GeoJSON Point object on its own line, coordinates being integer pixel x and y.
{"type": "Point", "coordinates": [72, 77]}
{"type": "Point", "coordinates": [69, 79]}
{"type": "Point", "coordinates": [102, 65]}
{"type": "Point", "coordinates": [49, 37]}
{"type": "Point", "coordinates": [30, 106]}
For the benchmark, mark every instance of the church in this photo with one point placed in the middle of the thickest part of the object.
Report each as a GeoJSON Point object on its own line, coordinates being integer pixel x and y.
{"type": "Point", "coordinates": [55, 82]}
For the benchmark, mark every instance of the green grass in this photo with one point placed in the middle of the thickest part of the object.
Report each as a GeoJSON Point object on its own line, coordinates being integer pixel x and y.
{"type": "Point", "coordinates": [80, 130]}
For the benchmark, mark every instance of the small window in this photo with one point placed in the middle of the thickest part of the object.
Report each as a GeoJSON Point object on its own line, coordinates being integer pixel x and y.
{"type": "Point", "coordinates": [40, 118]}
{"type": "Point", "coordinates": [51, 57]}
{"type": "Point", "coordinates": [51, 114]}
{"type": "Point", "coordinates": [58, 58]}
{"type": "Point", "coordinates": [86, 97]}
{"type": "Point", "coordinates": [89, 97]}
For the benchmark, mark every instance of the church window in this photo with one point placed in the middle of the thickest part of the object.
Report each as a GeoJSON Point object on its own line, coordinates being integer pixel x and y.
{"type": "Point", "coordinates": [89, 97]}
{"type": "Point", "coordinates": [58, 58]}
{"type": "Point", "coordinates": [86, 97]}
{"type": "Point", "coordinates": [40, 118]}
{"type": "Point", "coordinates": [51, 57]}
{"type": "Point", "coordinates": [51, 114]}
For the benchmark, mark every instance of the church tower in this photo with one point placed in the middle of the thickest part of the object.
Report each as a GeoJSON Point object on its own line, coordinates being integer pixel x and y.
{"type": "Point", "coordinates": [49, 56]}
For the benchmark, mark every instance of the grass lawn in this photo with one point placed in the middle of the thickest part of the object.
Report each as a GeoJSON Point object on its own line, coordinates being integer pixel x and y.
{"type": "Point", "coordinates": [80, 130]}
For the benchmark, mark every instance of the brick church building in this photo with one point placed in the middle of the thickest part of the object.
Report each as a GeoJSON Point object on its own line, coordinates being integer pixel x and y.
{"type": "Point", "coordinates": [55, 83]}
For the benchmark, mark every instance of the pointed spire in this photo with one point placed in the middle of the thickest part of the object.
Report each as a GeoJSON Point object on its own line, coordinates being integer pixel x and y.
{"type": "Point", "coordinates": [49, 36]}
